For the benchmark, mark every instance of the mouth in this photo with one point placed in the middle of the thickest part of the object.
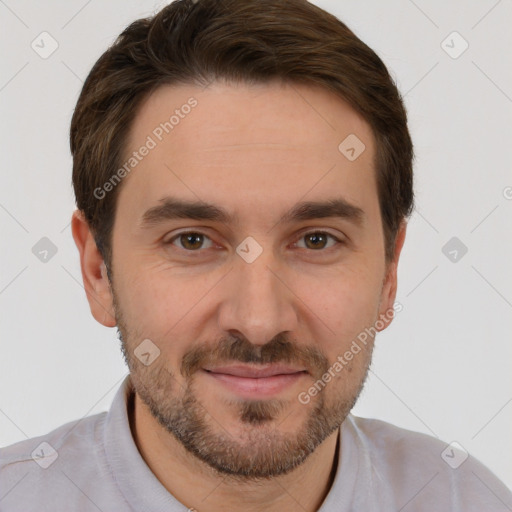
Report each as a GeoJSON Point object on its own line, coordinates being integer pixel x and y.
{"type": "Point", "coordinates": [255, 381]}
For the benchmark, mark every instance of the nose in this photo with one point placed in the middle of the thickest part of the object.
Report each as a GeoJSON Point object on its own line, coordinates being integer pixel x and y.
{"type": "Point", "coordinates": [258, 301]}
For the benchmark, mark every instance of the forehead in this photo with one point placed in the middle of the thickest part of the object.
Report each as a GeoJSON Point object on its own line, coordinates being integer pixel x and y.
{"type": "Point", "coordinates": [248, 146]}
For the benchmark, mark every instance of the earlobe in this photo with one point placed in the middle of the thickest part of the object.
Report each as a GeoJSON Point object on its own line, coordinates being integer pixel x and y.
{"type": "Point", "coordinates": [94, 272]}
{"type": "Point", "coordinates": [388, 294]}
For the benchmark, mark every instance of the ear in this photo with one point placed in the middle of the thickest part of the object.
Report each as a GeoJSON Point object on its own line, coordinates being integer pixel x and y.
{"type": "Point", "coordinates": [388, 293]}
{"type": "Point", "coordinates": [94, 272]}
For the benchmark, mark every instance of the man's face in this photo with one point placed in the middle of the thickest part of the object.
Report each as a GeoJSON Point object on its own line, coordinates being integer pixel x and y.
{"type": "Point", "coordinates": [249, 311]}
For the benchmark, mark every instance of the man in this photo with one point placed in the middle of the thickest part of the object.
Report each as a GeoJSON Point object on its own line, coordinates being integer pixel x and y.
{"type": "Point", "coordinates": [243, 174]}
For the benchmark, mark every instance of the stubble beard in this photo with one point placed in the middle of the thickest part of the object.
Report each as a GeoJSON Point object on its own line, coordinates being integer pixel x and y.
{"type": "Point", "coordinates": [261, 450]}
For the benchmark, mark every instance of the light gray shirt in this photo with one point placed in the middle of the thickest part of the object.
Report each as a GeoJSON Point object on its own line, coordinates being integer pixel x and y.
{"type": "Point", "coordinates": [93, 464]}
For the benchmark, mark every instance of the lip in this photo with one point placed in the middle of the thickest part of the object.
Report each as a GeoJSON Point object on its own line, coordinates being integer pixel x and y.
{"type": "Point", "coordinates": [255, 372]}
{"type": "Point", "coordinates": [255, 381]}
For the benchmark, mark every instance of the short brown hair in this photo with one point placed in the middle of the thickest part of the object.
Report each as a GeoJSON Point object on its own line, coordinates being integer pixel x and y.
{"type": "Point", "coordinates": [252, 41]}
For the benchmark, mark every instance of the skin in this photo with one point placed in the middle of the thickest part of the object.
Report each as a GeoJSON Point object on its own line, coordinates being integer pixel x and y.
{"type": "Point", "coordinates": [256, 151]}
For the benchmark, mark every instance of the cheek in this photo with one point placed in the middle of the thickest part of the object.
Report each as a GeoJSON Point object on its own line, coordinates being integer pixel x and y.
{"type": "Point", "coordinates": [344, 306]}
{"type": "Point", "coordinates": [163, 305]}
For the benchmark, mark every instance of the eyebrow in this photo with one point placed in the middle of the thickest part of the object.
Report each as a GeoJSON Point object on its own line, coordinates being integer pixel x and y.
{"type": "Point", "coordinates": [173, 208]}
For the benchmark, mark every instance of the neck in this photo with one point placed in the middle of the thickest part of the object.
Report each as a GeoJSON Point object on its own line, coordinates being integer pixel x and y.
{"type": "Point", "coordinates": [200, 487]}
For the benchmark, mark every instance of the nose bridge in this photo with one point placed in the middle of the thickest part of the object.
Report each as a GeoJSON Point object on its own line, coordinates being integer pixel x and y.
{"type": "Point", "coordinates": [257, 303]}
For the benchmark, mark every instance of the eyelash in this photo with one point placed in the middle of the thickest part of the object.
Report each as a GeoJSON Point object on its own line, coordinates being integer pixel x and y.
{"type": "Point", "coordinates": [317, 232]}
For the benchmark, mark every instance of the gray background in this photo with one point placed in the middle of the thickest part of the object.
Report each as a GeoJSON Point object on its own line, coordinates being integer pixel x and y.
{"type": "Point", "coordinates": [444, 365]}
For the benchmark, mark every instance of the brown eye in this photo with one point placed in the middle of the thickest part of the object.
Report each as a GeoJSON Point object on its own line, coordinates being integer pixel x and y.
{"type": "Point", "coordinates": [190, 241]}
{"type": "Point", "coordinates": [317, 240]}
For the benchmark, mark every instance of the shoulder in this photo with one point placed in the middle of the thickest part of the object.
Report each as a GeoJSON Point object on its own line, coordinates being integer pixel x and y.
{"type": "Point", "coordinates": [75, 436]}
{"type": "Point", "coordinates": [44, 464]}
{"type": "Point", "coordinates": [423, 470]}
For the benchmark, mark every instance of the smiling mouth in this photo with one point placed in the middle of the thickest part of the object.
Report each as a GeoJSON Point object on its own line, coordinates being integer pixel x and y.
{"type": "Point", "coordinates": [255, 381]}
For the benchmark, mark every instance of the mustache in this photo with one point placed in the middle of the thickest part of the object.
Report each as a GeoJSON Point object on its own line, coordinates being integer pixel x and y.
{"type": "Point", "coordinates": [239, 349]}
